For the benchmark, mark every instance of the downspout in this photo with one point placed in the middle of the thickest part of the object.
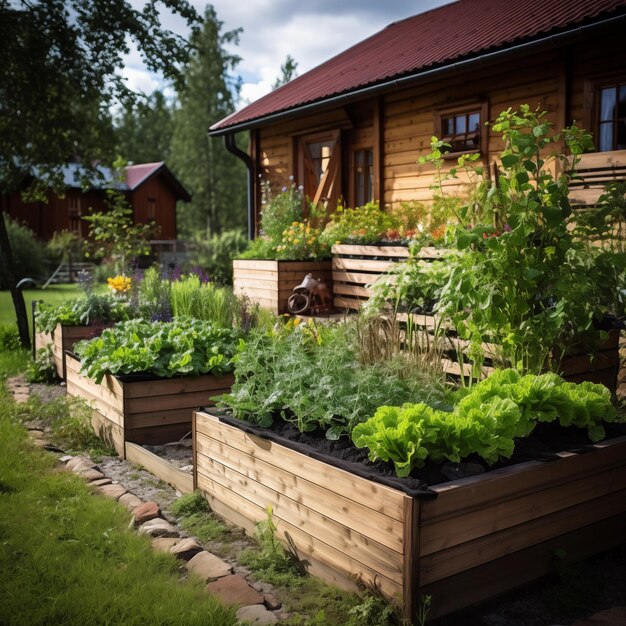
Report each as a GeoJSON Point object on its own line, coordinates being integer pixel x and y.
{"type": "Point", "coordinates": [229, 142]}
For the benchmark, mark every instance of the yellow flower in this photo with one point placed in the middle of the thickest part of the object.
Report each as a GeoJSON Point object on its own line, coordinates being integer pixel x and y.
{"type": "Point", "coordinates": [296, 241]}
{"type": "Point", "coordinates": [119, 284]}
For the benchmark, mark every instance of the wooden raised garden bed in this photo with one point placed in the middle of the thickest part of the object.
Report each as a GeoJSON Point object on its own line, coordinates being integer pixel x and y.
{"type": "Point", "coordinates": [601, 367]}
{"type": "Point", "coordinates": [64, 338]}
{"type": "Point", "coordinates": [270, 283]}
{"type": "Point", "coordinates": [467, 540]}
{"type": "Point", "coordinates": [153, 411]}
{"type": "Point", "coordinates": [357, 266]}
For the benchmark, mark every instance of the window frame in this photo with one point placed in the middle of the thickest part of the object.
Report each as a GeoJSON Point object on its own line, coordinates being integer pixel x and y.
{"type": "Point", "coordinates": [74, 213]}
{"type": "Point", "coordinates": [591, 102]}
{"type": "Point", "coordinates": [466, 108]}
{"type": "Point", "coordinates": [617, 84]}
{"type": "Point", "coordinates": [352, 173]}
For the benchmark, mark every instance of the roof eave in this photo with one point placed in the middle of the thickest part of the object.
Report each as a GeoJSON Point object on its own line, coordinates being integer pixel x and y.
{"type": "Point", "coordinates": [408, 80]}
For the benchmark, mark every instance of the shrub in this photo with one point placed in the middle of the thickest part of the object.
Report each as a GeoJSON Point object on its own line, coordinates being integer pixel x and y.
{"type": "Point", "coordinates": [216, 254]}
{"type": "Point", "coordinates": [42, 369]}
{"type": "Point", "coordinates": [9, 338]}
{"type": "Point", "coordinates": [286, 234]}
{"type": "Point", "coordinates": [28, 253]}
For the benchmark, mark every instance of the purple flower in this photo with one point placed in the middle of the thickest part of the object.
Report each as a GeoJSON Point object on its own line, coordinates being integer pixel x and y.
{"type": "Point", "coordinates": [507, 228]}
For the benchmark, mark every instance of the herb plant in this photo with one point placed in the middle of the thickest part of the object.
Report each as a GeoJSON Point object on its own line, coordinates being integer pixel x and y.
{"type": "Point", "coordinates": [204, 301]}
{"type": "Point", "coordinates": [91, 309]}
{"type": "Point", "coordinates": [182, 347]}
{"type": "Point", "coordinates": [312, 376]}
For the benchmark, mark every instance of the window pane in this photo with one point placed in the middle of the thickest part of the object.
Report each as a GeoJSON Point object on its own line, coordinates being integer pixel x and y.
{"type": "Point", "coordinates": [621, 109]}
{"type": "Point", "coordinates": [461, 126]}
{"type": "Point", "coordinates": [621, 135]}
{"type": "Point", "coordinates": [320, 152]}
{"type": "Point", "coordinates": [605, 138]}
{"type": "Point", "coordinates": [474, 122]}
{"type": "Point", "coordinates": [607, 104]}
{"type": "Point", "coordinates": [447, 126]}
{"type": "Point", "coordinates": [363, 172]}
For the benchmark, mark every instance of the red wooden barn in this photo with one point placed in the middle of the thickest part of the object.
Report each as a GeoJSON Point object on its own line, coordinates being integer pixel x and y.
{"type": "Point", "coordinates": [151, 190]}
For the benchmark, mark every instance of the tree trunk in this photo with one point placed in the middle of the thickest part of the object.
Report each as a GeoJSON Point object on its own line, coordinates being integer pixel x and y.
{"type": "Point", "coordinates": [16, 294]}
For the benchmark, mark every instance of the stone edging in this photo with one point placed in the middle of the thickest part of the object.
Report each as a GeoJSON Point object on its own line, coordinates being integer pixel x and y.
{"type": "Point", "coordinates": [229, 587]}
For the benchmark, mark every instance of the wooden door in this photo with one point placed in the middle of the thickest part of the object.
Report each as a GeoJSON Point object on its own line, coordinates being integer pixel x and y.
{"type": "Point", "coordinates": [319, 167]}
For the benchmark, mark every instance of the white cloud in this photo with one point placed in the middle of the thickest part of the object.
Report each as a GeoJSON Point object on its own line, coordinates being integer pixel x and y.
{"type": "Point", "coordinates": [140, 80]}
{"type": "Point", "coordinates": [272, 29]}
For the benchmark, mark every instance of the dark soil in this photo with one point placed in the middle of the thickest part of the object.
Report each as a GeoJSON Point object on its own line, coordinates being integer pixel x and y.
{"type": "Point", "coordinates": [546, 441]}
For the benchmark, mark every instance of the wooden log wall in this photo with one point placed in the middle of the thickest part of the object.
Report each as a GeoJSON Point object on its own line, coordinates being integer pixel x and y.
{"type": "Point", "coordinates": [408, 123]}
{"type": "Point", "coordinates": [409, 120]}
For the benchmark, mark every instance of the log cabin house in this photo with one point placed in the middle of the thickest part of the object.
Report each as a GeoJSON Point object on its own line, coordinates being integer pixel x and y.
{"type": "Point", "coordinates": [355, 126]}
{"type": "Point", "coordinates": [150, 188]}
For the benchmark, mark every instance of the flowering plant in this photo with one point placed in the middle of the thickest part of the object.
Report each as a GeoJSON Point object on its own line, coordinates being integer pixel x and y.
{"type": "Point", "coordinates": [369, 224]}
{"type": "Point", "coordinates": [286, 234]}
{"type": "Point", "coordinates": [301, 241]}
{"type": "Point", "coordinates": [119, 284]}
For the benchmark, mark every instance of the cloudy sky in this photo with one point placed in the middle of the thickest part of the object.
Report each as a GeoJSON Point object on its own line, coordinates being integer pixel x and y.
{"type": "Point", "coordinates": [312, 32]}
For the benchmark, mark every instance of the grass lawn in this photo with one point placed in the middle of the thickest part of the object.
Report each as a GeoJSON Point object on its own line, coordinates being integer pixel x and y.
{"type": "Point", "coordinates": [68, 557]}
{"type": "Point", "coordinates": [55, 294]}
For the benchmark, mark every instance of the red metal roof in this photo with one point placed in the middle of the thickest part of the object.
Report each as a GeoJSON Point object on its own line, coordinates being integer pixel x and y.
{"type": "Point", "coordinates": [435, 38]}
{"type": "Point", "coordinates": [136, 174]}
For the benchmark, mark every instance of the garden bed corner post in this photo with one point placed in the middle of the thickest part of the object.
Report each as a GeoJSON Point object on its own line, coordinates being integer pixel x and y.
{"type": "Point", "coordinates": [411, 543]}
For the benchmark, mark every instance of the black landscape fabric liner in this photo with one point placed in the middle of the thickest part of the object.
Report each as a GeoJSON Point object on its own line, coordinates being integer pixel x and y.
{"type": "Point", "coordinates": [411, 486]}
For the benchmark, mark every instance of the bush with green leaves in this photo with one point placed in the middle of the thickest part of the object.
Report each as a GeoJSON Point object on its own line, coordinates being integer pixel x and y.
{"type": "Point", "coordinates": [312, 375]}
{"type": "Point", "coordinates": [485, 421]}
{"type": "Point", "coordinates": [523, 278]}
{"type": "Point", "coordinates": [29, 253]}
{"type": "Point", "coordinates": [182, 347]}
{"type": "Point", "coordinates": [91, 309]}
{"type": "Point", "coordinates": [288, 233]}
{"type": "Point", "coordinates": [365, 225]}
{"type": "Point", "coordinates": [413, 285]}
{"type": "Point", "coordinates": [9, 338]}
{"type": "Point", "coordinates": [216, 254]}
{"type": "Point", "coordinates": [41, 369]}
